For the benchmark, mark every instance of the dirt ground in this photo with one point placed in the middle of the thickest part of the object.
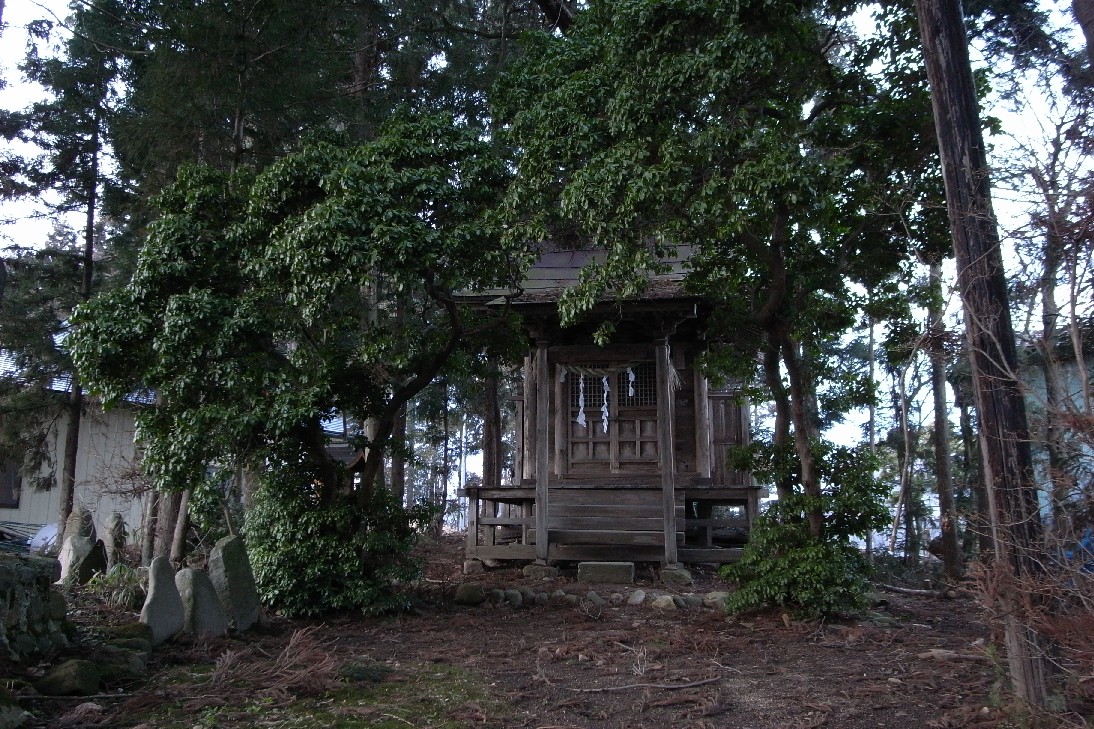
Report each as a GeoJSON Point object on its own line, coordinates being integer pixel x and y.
{"type": "Point", "coordinates": [913, 662]}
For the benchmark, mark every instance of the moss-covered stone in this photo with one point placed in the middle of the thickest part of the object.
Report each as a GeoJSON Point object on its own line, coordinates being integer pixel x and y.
{"type": "Point", "coordinates": [27, 607]}
{"type": "Point", "coordinates": [71, 678]}
{"type": "Point", "coordinates": [675, 576]}
{"type": "Point", "coordinates": [121, 667]}
{"type": "Point", "coordinates": [11, 716]}
{"type": "Point", "coordinates": [468, 593]}
{"type": "Point", "coordinates": [132, 645]}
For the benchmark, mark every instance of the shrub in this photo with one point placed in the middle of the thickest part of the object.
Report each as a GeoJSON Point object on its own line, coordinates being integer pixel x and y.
{"type": "Point", "coordinates": [784, 566]}
{"type": "Point", "coordinates": [310, 558]}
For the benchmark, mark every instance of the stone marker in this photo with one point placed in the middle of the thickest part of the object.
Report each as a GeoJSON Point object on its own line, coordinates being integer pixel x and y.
{"type": "Point", "coordinates": [115, 539]}
{"type": "Point", "coordinates": [202, 614]}
{"type": "Point", "coordinates": [619, 573]}
{"type": "Point", "coordinates": [80, 522]}
{"type": "Point", "coordinates": [93, 563]}
{"type": "Point", "coordinates": [80, 558]}
{"type": "Point", "coordinates": [231, 574]}
{"type": "Point", "coordinates": [162, 611]}
{"type": "Point", "coordinates": [473, 567]}
{"type": "Point", "coordinates": [75, 541]}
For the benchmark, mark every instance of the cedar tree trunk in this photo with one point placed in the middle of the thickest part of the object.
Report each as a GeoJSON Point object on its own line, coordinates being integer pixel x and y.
{"type": "Point", "coordinates": [1004, 436]}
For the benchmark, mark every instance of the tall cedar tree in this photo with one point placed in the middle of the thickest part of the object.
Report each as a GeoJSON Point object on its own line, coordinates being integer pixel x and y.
{"type": "Point", "coordinates": [71, 127]}
{"type": "Point", "coordinates": [1004, 435]}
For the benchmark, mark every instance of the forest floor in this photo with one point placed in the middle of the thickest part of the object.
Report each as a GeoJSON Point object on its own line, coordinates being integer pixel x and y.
{"type": "Point", "coordinates": [911, 662]}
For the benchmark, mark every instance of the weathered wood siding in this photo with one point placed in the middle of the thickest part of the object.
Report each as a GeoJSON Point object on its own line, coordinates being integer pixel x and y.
{"type": "Point", "coordinates": [105, 473]}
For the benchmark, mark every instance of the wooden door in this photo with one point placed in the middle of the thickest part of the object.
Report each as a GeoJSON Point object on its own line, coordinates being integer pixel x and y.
{"type": "Point", "coordinates": [727, 429]}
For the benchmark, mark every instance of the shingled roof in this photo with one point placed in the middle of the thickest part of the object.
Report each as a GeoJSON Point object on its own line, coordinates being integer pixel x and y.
{"type": "Point", "coordinates": [557, 270]}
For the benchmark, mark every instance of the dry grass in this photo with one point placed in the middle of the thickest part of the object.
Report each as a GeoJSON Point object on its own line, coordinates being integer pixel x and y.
{"type": "Point", "coordinates": [305, 667]}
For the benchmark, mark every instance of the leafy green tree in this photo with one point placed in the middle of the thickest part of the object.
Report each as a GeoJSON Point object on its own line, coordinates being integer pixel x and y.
{"type": "Point", "coordinates": [756, 132]}
{"type": "Point", "coordinates": [253, 313]}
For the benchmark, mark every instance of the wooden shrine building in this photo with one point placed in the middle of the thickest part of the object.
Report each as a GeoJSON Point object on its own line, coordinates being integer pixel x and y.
{"type": "Point", "coordinates": [620, 449]}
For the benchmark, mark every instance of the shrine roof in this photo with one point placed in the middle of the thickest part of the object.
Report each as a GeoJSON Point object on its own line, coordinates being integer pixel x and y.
{"type": "Point", "coordinates": [557, 270]}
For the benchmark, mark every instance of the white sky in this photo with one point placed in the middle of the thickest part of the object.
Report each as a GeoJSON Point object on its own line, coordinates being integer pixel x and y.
{"type": "Point", "coordinates": [24, 223]}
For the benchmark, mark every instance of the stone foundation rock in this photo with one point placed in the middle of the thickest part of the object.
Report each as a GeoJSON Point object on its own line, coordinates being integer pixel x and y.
{"type": "Point", "coordinates": [618, 573]}
{"type": "Point", "coordinates": [32, 611]}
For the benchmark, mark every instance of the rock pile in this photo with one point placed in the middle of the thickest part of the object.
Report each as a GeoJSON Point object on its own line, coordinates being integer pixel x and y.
{"type": "Point", "coordinates": [203, 605]}
{"type": "Point", "coordinates": [473, 594]}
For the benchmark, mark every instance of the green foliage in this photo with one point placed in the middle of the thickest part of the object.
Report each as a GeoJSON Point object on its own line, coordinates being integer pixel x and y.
{"type": "Point", "coordinates": [262, 304]}
{"type": "Point", "coordinates": [705, 123]}
{"type": "Point", "coordinates": [784, 566]}
{"type": "Point", "coordinates": [121, 586]}
{"type": "Point", "coordinates": [311, 558]}
{"type": "Point", "coordinates": [214, 507]}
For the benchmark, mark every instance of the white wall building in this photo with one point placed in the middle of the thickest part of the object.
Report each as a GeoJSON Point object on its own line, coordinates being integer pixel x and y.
{"type": "Point", "coordinates": [108, 480]}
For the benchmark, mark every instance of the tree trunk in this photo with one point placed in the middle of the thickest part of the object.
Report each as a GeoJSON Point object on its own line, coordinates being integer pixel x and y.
{"type": "Point", "coordinates": [440, 497]}
{"type": "Point", "coordinates": [784, 484]}
{"type": "Point", "coordinates": [398, 456]}
{"type": "Point", "coordinates": [76, 394]}
{"type": "Point", "coordinates": [871, 427]}
{"type": "Point", "coordinates": [1054, 245]}
{"type": "Point", "coordinates": [182, 526]}
{"type": "Point", "coordinates": [1062, 480]}
{"type": "Point", "coordinates": [943, 471]}
{"type": "Point", "coordinates": [165, 522]}
{"type": "Point", "coordinates": [805, 431]}
{"type": "Point", "coordinates": [1004, 436]}
{"type": "Point", "coordinates": [75, 409]}
{"type": "Point", "coordinates": [979, 523]}
{"type": "Point", "coordinates": [491, 433]}
{"type": "Point", "coordinates": [150, 526]}
{"type": "Point", "coordinates": [908, 497]}
{"type": "Point", "coordinates": [898, 512]}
